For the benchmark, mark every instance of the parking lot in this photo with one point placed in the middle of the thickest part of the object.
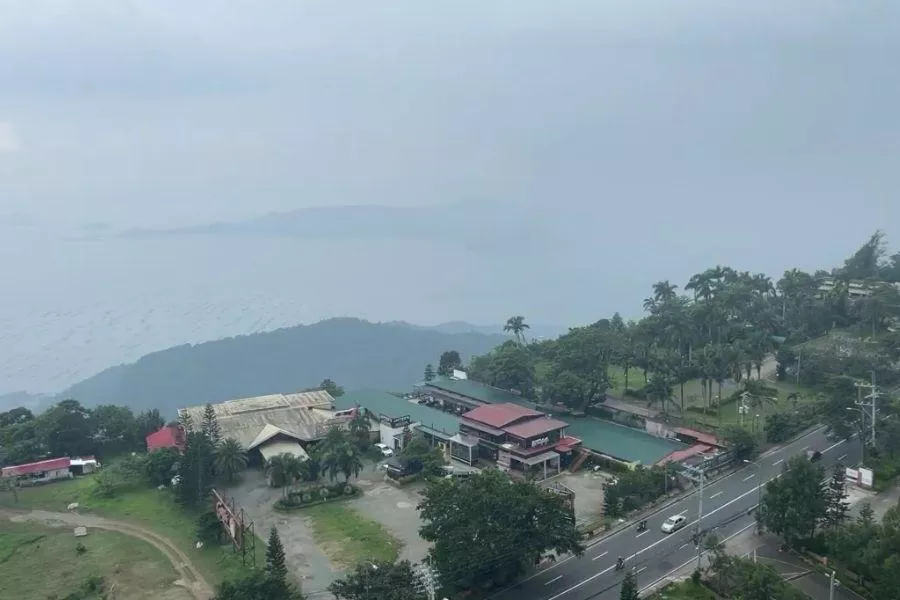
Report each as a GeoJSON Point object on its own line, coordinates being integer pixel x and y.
{"type": "Point", "coordinates": [393, 508]}
{"type": "Point", "coordinates": [588, 488]}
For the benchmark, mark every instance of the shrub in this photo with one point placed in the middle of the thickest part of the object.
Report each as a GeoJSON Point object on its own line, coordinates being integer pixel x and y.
{"type": "Point", "coordinates": [317, 495]}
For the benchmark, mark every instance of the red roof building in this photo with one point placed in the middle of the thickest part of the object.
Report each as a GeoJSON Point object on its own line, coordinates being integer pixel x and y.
{"type": "Point", "coordinates": [518, 438]}
{"type": "Point", "coordinates": [42, 470]}
{"type": "Point", "coordinates": [167, 437]}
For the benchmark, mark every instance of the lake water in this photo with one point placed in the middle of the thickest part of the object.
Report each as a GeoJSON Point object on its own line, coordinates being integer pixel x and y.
{"type": "Point", "coordinates": [69, 309]}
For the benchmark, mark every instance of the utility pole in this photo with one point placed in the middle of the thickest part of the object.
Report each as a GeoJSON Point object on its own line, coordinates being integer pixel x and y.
{"type": "Point", "coordinates": [868, 406]}
{"type": "Point", "coordinates": [832, 583]}
{"type": "Point", "coordinates": [698, 476]}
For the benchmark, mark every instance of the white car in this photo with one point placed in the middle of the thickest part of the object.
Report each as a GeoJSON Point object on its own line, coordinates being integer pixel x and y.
{"type": "Point", "coordinates": [674, 523]}
{"type": "Point", "coordinates": [385, 449]}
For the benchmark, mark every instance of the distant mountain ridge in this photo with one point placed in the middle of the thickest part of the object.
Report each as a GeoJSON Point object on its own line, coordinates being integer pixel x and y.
{"type": "Point", "coordinates": [453, 327]}
{"type": "Point", "coordinates": [356, 354]}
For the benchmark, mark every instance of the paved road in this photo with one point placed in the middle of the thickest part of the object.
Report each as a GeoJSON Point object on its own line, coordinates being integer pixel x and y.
{"type": "Point", "coordinates": [726, 511]}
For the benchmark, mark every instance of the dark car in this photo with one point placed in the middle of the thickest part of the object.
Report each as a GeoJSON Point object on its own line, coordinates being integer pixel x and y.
{"type": "Point", "coordinates": [813, 455]}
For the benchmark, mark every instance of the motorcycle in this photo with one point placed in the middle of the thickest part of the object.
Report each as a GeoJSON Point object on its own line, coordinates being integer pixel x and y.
{"type": "Point", "coordinates": [620, 564]}
{"type": "Point", "coordinates": [642, 526]}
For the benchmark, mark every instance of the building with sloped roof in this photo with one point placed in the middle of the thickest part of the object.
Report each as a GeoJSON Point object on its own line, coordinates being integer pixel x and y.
{"type": "Point", "coordinates": [519, 438]}
{"type": "Point", "coordinates": [276, 423]}
{"type": "Point", "coordinates": [170, 436]}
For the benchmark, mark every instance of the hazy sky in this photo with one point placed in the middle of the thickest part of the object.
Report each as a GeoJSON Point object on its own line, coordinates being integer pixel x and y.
{"type": "Point", "coordinates": [166, 111]}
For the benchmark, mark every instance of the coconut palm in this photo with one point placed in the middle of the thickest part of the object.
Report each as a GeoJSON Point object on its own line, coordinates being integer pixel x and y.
{"type": "Point", "coordinates": [229, 459]}
{"type": "Point", "coordinates": [350, 462]}
{"type": "Point", "coordinates": [331, 450]}
{"type": "Point", "coordinates": [283, 470]}
{"type": "Point", "coordinates": [359, 427]}
{"type": "Point", "coordinates": [517, 326]}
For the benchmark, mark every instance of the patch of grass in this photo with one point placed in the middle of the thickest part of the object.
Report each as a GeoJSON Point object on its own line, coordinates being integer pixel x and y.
{"type": "Point", "coordinates": [348, 538]}
{"type": "Point", "coordinates": [685, 590]}
{"type": "Point", "coordinates": [152, 508]}
{"type": "Point", "coordinates": [617, 377]}
{"type": "Point", "coordinates": [41, 562]}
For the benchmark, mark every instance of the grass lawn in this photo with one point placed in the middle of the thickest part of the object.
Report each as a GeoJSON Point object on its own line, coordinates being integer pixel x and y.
{"type": "Point", "coordinates": [348, 538]}
{"type": "Point", "coordinates": [41, 562]}
{"type": "Point", "coordinates": [153, 508]}
{"type": "Point", "coordinates": [685, 590]}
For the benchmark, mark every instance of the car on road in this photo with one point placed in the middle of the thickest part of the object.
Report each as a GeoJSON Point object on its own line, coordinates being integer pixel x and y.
{"type": "Point", "coordinates": [674, 523]}
{"type": "Point", "coordinates": [813, 455]}
{"type": "Point", "coordinates": [385, 449]}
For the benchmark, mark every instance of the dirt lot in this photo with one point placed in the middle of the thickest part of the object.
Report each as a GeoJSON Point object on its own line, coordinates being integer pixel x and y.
{"type": "Point", "coordinates": [588, 488]}
{"type": "Point", "coordinates": [394, 509]}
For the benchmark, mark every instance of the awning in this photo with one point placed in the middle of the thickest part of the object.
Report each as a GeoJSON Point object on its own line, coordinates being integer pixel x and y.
{"type": "Point", "coordinates": [539, 459]}
{"type": "Point", "coordinates": [276, 448]}
{"type": "Point", "coordinates": [566, 443]}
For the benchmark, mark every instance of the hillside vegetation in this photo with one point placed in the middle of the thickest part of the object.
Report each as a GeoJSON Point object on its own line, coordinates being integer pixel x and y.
{"type": "Point", "coordinates": [356, 353]}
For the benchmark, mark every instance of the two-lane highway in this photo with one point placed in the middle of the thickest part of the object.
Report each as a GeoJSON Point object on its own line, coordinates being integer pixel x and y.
{"type": "Point", "coordinates": [652, 554]}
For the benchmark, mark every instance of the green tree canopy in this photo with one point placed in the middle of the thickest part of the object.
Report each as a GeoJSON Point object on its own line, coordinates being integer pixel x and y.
{"type": "Point", "coordinates": [486, 530]}
{"type": "Point", "coordinates": [795, 503]}
{"type": "Point", "coordinates": [381, 580]}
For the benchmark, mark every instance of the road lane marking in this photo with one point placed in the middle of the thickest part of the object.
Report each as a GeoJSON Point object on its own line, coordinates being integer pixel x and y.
{"type": "Point", "coordinates": [642, 533]}
{"type": "Point", "coordinates": [777, 462]}
{"type": "Point", "coordinates": [683, 546]}
{"type": "Point", "coordinates": [690, 496]}
{"type": "Point", "coordinates": [804, 448]}
{"type": "Point", "coordinates": [715, 495]}
{"type": "Point", "coordinates": [842, 457]}
{"type": "Point", "coordinates": [653, 545]}
{"type": "Point", "coordinates": [599, 556]}
{"type": "Point", "coordinates": [641, 570]}
{"type": "Point", "coordinates": [693, 559]}
{"type": "Point", "coordinates": [555, 579]}
{"type": "Point", "coordinates": [749, 477]}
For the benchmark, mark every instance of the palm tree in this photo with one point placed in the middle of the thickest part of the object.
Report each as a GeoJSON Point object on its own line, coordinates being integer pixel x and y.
{"type": "Point", "coordinates": [517, 326]}
{"type": "Point", "coordinates": [230, 459]}
{"type": "Point", "coordinates": [350, 462]}
{"type": "Point", "coordinates": [283, 470]}
{"type": "Point", "coordinates": [331, 450]}
{"type": "Point", "coordinates": [359, 426]}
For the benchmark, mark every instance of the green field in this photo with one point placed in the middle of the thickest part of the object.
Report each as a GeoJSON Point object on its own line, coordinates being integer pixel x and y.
{"type": "Point", "coordinates": [41, 562]}
{"type": "Point", "coordinates": [348, 538]}
{"type": "Point", "coordinates": [152, 508]}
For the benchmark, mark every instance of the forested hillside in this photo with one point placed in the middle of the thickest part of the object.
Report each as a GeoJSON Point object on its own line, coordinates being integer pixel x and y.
{"type": "Point", "coordinates": [353, 352]}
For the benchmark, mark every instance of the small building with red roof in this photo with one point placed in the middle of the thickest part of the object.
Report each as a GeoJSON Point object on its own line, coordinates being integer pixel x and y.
{"type": "Point", "coordinates": [519, 438]}
{"type": "Point", "coordinates": [169, 436]}
{"type": "Point", "coordinates": [41, 471]}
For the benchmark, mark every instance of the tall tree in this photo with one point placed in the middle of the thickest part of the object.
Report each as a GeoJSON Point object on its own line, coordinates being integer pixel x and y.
{"type": "Point", "coordinates": [210, 425]}
{"type": "Point", "coordinates": [517, 326]}
{"type": "Point", "coordinates": [449, 360]}
{"type": "Point", "coordinates": [229, 459]}
{"type": "Point", "coordinates": [794, 503]}
{"type": "Point", "coordinates": [381, 580]}
{"type": "Point", "coordinates": [509, 366]}
{"type": "Point", "coordinates": [429, 372]}
{"type": "Point", "coordinates": [837, 507]}
{"type": "Point", "coordinates": [195, 470]}
{"type": "Point", "coordinates": [579, 374]}
{"type": "Point", "coordinates": [332, 388]}
{"type": "Point", "coordinates": [487, 529]}
{"type": "Point", "coordinates": [276, 567]}
{"type": "Point", "coordinates": [66, 429]}
{"type": "Point", "coordinates": [629, 589]}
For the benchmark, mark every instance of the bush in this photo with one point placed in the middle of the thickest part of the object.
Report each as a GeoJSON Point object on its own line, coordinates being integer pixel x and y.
{"type": "Point", "coordinates": [123, 476]}
{"type": "Point", "coordinates": [317, 495]}
{"type": "Point", "coordinates": [638, 394]}
{"type": "Point", "coordinates": [633, 490]}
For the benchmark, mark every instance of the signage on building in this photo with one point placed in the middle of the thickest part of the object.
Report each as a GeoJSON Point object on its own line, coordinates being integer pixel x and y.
{"type": "Point", "coordinates": [540, 441]}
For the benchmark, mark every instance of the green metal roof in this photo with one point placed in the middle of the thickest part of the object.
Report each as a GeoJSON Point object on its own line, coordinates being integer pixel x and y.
{"type": "Point", "coordinates": [388, 404]}
{"type": "Point", "coordinates": [619, 441]}
{"type": "Point", "coordinates": [476, 390]}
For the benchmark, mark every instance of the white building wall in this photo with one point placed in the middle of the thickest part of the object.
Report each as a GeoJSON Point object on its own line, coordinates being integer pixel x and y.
{"type": "Point", "coordinates": [388, 435]}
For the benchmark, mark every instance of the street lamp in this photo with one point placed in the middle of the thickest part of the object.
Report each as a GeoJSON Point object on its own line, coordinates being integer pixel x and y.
{"type": "Point", "coordinates": [758, 490]}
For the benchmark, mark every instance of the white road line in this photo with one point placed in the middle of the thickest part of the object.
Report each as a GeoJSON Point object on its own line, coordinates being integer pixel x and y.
{"type": "Point", "coordinates": [842, 457]}
{"type": "Point", "coordinates": [687, 562]}
{"type": "Point", "coordinates": [831, 447]}
{"type": "Point", "coordinates": [653, 545]}
{"type": "Point", "coordinates": [715, 495]}
{"type": "Point", "coordinates": [683, 546]}
{"type": "Point", "coordinates": [555, 579]}
{"type": "Point", "coordinates": [599, 556]}
{"type": "Point", "coordinates": [804, 448]}
{"type": "Point", "coordinates": [642, 533]}
{"type": "Point", "coordinates": [749, 477]}
{"type": "Point", "coordinates": [777, 462]}
{"type": "Point", "coordinates": [641, 570]}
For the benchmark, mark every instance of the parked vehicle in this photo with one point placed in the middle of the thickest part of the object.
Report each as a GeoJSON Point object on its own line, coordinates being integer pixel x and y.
{"type": "Point", "coordinates": [385, 449]}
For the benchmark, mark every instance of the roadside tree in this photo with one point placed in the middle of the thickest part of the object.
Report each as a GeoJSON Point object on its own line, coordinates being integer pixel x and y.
{"type": "Point", "coordinates": [381, 580]}
{"type": "Point", "coordinates": [794, 503]}
{"type": "Point", "coordinates": [486, 530]}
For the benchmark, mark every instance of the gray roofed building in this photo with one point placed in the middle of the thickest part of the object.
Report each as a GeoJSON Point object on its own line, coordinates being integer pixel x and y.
{"type": "Point", "coordinates": [304, 416]}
